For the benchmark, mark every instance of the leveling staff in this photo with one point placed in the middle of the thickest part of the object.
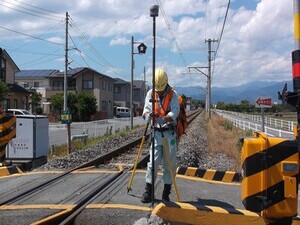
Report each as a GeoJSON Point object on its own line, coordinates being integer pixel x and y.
{"type": "Point", "coordinates": [165, 115]}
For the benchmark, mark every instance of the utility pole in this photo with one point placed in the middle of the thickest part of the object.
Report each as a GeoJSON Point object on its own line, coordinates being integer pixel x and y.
{"type": "Point", "coordinates": [208, 83]}
{"type": "Point", "coordinates": [66, 111]}
{"type": "Point", "coordinates": [145, 92]}
{"type": "Point", "coordinates": [131, 85]}
{"type": "Point", "coordinates": [141, 50]}
{"type": "Point", "coordinates": [209, 41]}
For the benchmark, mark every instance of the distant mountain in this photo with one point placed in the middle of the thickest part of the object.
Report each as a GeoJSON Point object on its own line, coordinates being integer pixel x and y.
{"type": "Point", "coordinates": [250, 91]}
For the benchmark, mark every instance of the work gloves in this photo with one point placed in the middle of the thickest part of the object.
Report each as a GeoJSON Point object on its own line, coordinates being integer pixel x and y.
{"type": "Point", "coordinates": [160, 120]}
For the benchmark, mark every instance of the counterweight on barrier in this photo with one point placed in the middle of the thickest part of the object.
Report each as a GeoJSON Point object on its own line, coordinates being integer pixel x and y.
{"type": "Point", "coordinates": [270, 177]}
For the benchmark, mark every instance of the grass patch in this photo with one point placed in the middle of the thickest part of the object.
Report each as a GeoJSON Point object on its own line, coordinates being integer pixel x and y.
{"type": "Point", "coordinates": [224, 137]}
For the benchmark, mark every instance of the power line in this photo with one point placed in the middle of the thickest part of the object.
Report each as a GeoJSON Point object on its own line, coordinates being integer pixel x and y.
{"type": "Point", "coordinates": [46, 10]}
{"type": "Point", "coordinates": [218, 17]}
{"type": "Point", "coordinates": [28, 35]}
{"type": "Point", "coordinates": [28, 11]}
{"type": "Point", "coordinates": [171, 32]}
{"type": "Point", "coordinates": [80, 53]}
{"type": "Point", "coordinates": [103, 61]}
{"type": "Point", "coordinates": [220, 38]}
{"type": "Point", "coordinates": [29, 52]}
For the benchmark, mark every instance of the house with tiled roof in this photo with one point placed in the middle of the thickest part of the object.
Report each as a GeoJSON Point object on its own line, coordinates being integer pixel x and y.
{"type": "Point", "coordinates": [82, 79]}
{"type": "Point", "coordinates": [18, 97]}
{"type": "Point", "coordinates": [37, 80]}
{"type": "Point", "coordinates": [85, 79]}
{"type": "Point", "coordinates": [109, 92]}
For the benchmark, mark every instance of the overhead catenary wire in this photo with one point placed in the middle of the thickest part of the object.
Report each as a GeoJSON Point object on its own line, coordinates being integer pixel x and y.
{"type": "Point", "coordinates": [171, 32]}
{"type": "Point", "coordinates": [221, 34]}
{"type": "Point", "coordinates": [220, 38]}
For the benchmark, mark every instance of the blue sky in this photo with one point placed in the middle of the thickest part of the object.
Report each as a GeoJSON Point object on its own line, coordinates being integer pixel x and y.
{"type": "Point", "coordinates": [256, 44]}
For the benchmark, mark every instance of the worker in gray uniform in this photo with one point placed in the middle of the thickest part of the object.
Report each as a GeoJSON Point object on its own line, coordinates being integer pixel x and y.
{"type": "Point", "coordinates": [166, 110]}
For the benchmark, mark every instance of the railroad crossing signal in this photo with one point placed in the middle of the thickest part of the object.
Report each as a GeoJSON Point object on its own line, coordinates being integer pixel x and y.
{"type": "Point", "coordinates": [263, 102]}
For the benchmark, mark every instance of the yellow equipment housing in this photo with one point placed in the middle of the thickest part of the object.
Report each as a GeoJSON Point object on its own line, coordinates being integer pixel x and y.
{"type": "Point", "coordinates": [270, 176]}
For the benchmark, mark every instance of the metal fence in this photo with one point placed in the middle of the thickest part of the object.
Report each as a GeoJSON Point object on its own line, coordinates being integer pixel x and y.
{"type": "Point", "coordinates": [276, 127]}
{"type": "Point", "coordinates": [93, 129]}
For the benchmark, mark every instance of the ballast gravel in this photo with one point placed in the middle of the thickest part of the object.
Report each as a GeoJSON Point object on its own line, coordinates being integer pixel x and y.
{"type": "Point", "coordinates": [192, 150]}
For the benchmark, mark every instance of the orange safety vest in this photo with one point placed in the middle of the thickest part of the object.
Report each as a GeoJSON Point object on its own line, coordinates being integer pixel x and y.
{"type": "Point", "coordinates": [163, 109]}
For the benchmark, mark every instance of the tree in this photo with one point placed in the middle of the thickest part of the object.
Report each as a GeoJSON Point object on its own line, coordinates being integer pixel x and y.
{"type": "Point", "coordinates": [81, 106]}
{"type": "Point", "coordinates": [57, 103]}
{"type": "Point", "coordinates": [4, 90]}
{"type": "Point", "coordinates": [36, 102]}
{"type": "Point", "coordinates": [87, 105]}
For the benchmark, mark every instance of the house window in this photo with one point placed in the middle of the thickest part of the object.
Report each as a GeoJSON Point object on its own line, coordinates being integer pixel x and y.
{"type": "Point", "coordinates": [57, 85]}
{"type": "Point", "coordinates": [88, 84]}
{"type": "Point", "coordinates": [2, 70]}
{"type": "Point", "coordinates": [104, 105]}
{"type": "Point", "coordinates": [117, 89]}
{"type": "Point", "coordinates": [6, 104]}
{"type": "Point", "coordinates": [36, 84]}
{"type": "Point", "coordinates": [26, 85]}
{"type": "Point", "coordinates": [103, 85]}
{"type": "Point", "coordinates": [110, 86]}
{"type": "Point", "coordinates": [15, 103]}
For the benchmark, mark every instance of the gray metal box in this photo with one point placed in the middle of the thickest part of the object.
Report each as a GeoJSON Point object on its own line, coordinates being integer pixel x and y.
{"type": "Point", "coordinates": [32, 138]}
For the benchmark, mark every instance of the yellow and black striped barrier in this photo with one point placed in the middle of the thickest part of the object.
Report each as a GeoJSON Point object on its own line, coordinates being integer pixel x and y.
{"type": "Point", "coordinates": [7, 132]}
{"type": "Point", "coordinates": [195, 213]}
{"type": "Point", "coordinates": [209, 174]}
{"type": "Point", "coordinates": [270, 168]}
{"type": "Point", "coordinates": [9, 170]}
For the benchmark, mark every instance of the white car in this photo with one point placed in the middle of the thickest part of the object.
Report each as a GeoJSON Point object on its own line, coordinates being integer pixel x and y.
{"type": "Point", "coordinates": [16, 112]}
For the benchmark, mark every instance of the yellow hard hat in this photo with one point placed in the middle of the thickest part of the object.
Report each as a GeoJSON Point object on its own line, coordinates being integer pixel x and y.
{"type": "Point", "coordinates": [161, 80]}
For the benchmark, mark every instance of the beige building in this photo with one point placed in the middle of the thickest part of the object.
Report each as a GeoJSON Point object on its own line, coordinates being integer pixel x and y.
{"type": "Point", "coordinates": [18, 97]}
{"type": "Point", "coordinates": [51, 82]}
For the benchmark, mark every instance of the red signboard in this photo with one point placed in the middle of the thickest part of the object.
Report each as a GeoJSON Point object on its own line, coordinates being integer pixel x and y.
{"type": "Point", "coordinates": [263, 102]}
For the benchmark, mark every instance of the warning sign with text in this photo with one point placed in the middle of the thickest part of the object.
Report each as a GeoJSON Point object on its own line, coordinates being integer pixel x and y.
{"type": "Point", "coordinates": [263, 102]}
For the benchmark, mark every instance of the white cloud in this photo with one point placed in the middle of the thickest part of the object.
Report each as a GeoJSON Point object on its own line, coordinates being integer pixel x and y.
{"type": "Point", "coordinates": [256, 43]}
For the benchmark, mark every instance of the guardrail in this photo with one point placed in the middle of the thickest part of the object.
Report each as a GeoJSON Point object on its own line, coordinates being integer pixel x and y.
{"type": "Point", "coordinates": [253, 125]}
{"type": "Point", "coordinates": [273, 122]}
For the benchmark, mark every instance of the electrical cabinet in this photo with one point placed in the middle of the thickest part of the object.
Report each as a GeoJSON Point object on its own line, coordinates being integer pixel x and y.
{"type": "Point", "coordinates": [32, 138]}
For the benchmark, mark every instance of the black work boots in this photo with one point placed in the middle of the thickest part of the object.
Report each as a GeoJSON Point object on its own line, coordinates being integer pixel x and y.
{"type": "Point", "coordinates": [166, 192]}
{"type": "Point", "coordinates": [146, 198]}
{"type": "Point", "coordinates": [147, 194]}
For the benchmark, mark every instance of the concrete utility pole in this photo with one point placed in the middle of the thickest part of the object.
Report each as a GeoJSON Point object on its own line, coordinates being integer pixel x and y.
{"type": "Point", "coordinates": [209, 41]}
{"type": "Point", "coordinates": [208, 85]}
{"type": "Point", "coordinates": [66, 64]}
{"type": "Point", "coordinates": [66, 86]}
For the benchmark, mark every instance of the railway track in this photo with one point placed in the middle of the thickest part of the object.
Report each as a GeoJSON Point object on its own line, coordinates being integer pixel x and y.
{"type": "Point", "coordinates": [119, 160]}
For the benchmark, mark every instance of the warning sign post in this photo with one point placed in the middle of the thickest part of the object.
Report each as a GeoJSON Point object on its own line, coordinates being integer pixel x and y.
{"type": "Point", "coordinates": [263, 102]}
